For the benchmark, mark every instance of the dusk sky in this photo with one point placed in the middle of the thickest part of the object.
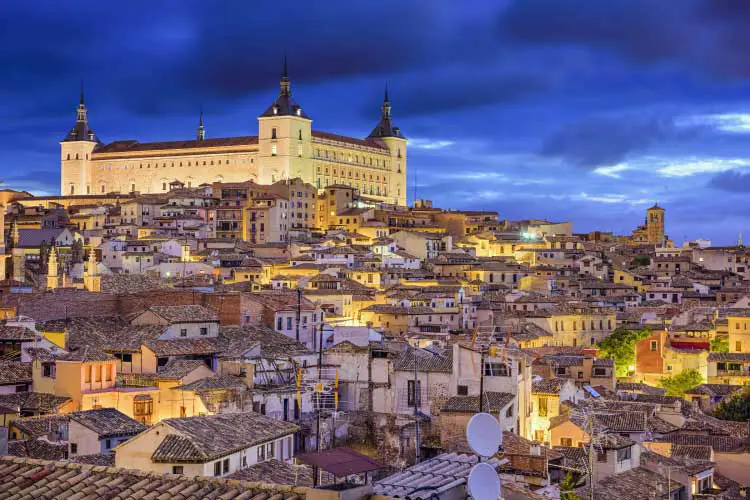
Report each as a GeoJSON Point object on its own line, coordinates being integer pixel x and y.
{"type": "Point", "coordinates": [588, 111]}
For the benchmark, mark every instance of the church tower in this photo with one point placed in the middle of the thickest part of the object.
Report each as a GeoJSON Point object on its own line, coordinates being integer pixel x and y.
{"type": "Point", "coordinates": [92, 281]}
{"type": "Point", "coordinates": [391, 136]}
{"type": "Point", "coordinates": [201, 132]}
{"type": "Point", "coordinates": [53, 282]}
{"type": "Point", "coordinates": [655, 225]}
{"type": "Point", "coordinates": [284, 139]}
{"type": "Point", "coordinates": [75, 154]}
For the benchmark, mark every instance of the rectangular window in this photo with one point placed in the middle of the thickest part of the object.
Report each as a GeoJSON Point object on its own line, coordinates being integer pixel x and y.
{"type": "Point", "coordinates": [177, 469]}
{"type": "Point", "coordinates": [204, 330]}
{"type": "Point", "coordinates": [414, 391]}
{"type": "Point", "coordinates": [543, 409]}
{"type": "Point", "coordinates": [261, 453]}
{"type": "Point", "coordinates": [183, 332]}
{"type": "Point", "coordinates": [289, 323]}
{"type": "Point", "coordinates": [653, 345]}
{"type": "Point", "coordinates": [108, 444]}
{"type": "Point", "coordinates": [73, 448]}
{"type": "Point", "coordinates": [217, 468]}
{"type": "Point", "coordinates": [462, 390]}
{"type": "Point", "coordinates": [88, 369]}
{"type": "Point", "coordinates": [623, 454]}
{"type": "Point", "coordinates": [226, 466]}
{"type": "Point", "coordinates": [566, 441]}
{"type": "Point", "coordinates": [279, 323]}
{"type": "Point", "coordinates": [271, 449]}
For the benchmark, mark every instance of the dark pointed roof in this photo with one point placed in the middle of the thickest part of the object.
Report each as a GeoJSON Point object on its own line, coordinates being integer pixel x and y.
{"type": "Point", "coordinates": [284, 105]}
{"type": "Point", "coordinates": [385, 127]}
{"type": "Point", "coordinates": [81, 130]}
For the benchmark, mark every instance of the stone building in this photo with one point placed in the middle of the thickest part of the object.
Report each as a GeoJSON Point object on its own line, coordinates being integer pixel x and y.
{"type": "Point", "coordinates": [286, 147]}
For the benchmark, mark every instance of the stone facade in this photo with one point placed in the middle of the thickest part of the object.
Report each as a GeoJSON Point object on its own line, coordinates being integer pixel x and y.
{"type": "Point", "coordinates": [286, 147]}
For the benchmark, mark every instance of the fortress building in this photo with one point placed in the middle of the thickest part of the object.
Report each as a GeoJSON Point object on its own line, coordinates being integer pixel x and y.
{"type": "Point", "coordinates": [286, 147]}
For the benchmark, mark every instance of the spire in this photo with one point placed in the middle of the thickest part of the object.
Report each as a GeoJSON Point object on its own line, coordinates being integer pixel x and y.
{"type": "Point", "coordinates": [739, 240]}
{"type": "Point", "coordinates": [82, 101]}
{"type": "Point", "coordinates": [285, 85]}
{"type": "Point", "coordinates": [81, 130]}
{"type": "Point", "coordinates": [201, 128]}
{"type": "Point", "coordinates": [385, 127]}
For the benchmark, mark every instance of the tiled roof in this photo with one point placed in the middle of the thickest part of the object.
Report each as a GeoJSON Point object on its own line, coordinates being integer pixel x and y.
{"type": "Point", "coordinates": [547, 386]}
{"type": "Point", "coordinates": [182, 347]}
{"type": "Point", "coordinates": [16, 333]}
{"type": "Point", "coordinates": [108, 422]}
{"type": "Point", "coordinates": [45, 425]}
{"type": "Point", "coordinates": [14, 372]}
{"type": "Point", "coordinates": [695, 452]}
{"type": "Point", "coordinates": [427, 361]}
{"type": "Point", "coordinates": [631, 484]}
{"type": "Point", "coordinates": [185, 314]}
{"type": "Point", "coordinates": [36, 402]}
{"type": "Point", "coordinates": [276, 472]}
{"type": "Point", "coordinates": [36, 448]}
{"type": "Point", "coordinates": [100, 459]}
{"type": "Point", "coordinates": [429, 476]}
{"type": "Point", "coordinates": [135, 146]}
{"type": "Point", "coordinates": [234, 341]}
{"type": "Point", "coordinates": [494, 402]}
{"type": "Point", "coordinates": [214, 383]}
{"type": "Point", "coordinates": [316, 134]}
{"type": "Point", "coordinates": [714, 389]}
{"type": "Point", "coordinates": [85, 354]}
{"type": "Point", "coordinates": [27, 478]}
{"type": "Point", "coordinates": [729, 356]}
{"type": "Point", "coordinates": [718, 443]}
{"type": "Point", "coordinates": [176, 369]}
{"type": "Point", "coordinates": [200, 439]}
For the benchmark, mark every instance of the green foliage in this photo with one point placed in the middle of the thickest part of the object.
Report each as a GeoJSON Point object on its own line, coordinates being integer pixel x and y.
{"type": "Point", "coordinates": [719, 345]}
{"type": "Point", "coordinates": [736, 408]}
{"type": "Point", "coordinates": [567, 488]}
{"type": "Point", "coordinates": [640, 261]}
{"type": "Point", "coordinates": [676, 385]}
{"type": "Point", "coordinates": [620, 347]}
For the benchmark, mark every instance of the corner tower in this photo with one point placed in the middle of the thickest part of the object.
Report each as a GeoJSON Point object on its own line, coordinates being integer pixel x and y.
{"type": "Point", "coordinates": [391, 136]}
{"type": "Point", "coordinates": [284, 138]}
{"type": "Point", "coordinates": [75, 154]}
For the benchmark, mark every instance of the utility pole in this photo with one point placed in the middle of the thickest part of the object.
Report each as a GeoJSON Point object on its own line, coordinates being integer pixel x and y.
{"type": "Point", "coordinates": [481, 379]}
{"type": "Point", "coordinates": [299, 308]}
{"type": "Point", "coordinates": [316, 471]}
{"type": "Point", "coordinates": [417, 396]}
{"type": "Point", "coordinates": [591, 455]}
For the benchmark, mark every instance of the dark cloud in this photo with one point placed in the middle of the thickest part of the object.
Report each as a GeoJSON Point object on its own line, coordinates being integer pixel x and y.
{"type": "Point", "coordinates": [607, 141]}
{"type": "Point", "coordinates": [731, 181]}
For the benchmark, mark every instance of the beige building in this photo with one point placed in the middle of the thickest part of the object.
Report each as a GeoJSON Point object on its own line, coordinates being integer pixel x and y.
{"type": "Point", "coordinates": [286, 147]}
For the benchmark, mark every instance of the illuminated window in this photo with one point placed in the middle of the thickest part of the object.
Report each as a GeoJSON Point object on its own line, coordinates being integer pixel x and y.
{"type": "Point", "coordinates": [273, 149]}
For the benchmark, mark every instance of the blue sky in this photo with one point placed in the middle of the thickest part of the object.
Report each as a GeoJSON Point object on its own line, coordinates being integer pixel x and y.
{"type": "Point", "coordinates": [582, 110]}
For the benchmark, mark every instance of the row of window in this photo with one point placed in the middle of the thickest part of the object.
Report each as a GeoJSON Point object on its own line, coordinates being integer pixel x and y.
{"type": "Point", "coordinates": [362, 160]}
{"type": "Point", "coordinates": [560, 325]}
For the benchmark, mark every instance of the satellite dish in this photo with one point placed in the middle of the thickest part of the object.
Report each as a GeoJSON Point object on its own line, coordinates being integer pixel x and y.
{"type": "Point", "coordinates": [484, 434]}
{"type": "Point", "coordinates": [484, 483]}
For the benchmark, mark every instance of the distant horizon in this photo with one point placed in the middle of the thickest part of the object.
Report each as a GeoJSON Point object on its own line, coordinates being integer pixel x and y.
{"type": "Point", "coordinates": [526, 107]}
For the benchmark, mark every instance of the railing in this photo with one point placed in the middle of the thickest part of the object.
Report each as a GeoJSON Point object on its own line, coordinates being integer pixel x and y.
{"type": "Point", "coordinates": [732, 373]}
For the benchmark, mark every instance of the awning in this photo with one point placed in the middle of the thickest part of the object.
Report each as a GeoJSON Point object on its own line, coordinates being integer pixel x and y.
{"type": "Point", "coordinates": [340, 462]}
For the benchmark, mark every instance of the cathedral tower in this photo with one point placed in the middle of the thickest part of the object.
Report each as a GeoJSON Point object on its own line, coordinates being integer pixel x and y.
{"type": "Point", "coordinates": [391, 135]}
{"type": "Point", "coordinates": [284, 139]}
{"type": "Point", "coordinates": [75, 157]}
{"type": "Point", "coordinates": [92, 281]}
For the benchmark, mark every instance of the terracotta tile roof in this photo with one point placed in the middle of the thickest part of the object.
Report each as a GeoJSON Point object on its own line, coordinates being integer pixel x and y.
{"type": "Point", "coordinates": [729, 444]}
{"type": "Point", "coordinates": [45, 425]}
{"type": "Point", "coordinates": [185, 314]}
{"type": "Point", "coordinates": [16, 333]}
{"type": "Point", "coordinates": [14, 372]}
{"type": "Point", "coordinates": [494, 402]}
{"type": "Point", "coordinates": [714, 389]}
{"type": "Point", "coordinates": [108, 422]}
{"type": "Point", "coordinates": [85, 354]}
{"type": "Point", "coordinates": [427, 361]}
{"type": "Point", "coordinates": [37, 448]}
{"type": "Point", "coordinates": [695, 452]}
{"type": "Point", "coordinates": [630, 485]}
{"type": "Point", "coordinates": [25, 478]}
{"type": "Point", "coordinates": [547, 386]}
{"type": "Point", "coordinates": [36, 402]}
{"type": "Point", "coordinates": [201, 439]}
{"type": "Point", "coordinates": [182, 347]}
{"type": "Point", "coordinates": [276, 472]}
{"type": "Point", "coordinates": [235, 341]}
{"type": "Point", "coordinates": [176, 369]}
{"type": "Point", "coordinates": [103, 460]}
{"type": "Point", "coordinates": [729, 356]}
{"type": "Point", "coordinates": [214, 383]}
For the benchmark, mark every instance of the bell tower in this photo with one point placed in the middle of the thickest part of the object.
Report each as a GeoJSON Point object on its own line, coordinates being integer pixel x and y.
{"type": "Point", "coordinates": [75, 154]}
{"type": "Point", "coordinates": [655, 225]}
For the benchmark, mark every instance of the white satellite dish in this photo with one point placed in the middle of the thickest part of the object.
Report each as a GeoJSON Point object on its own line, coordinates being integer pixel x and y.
{"type": "Point", "coordinates": [484, 483]}
{"type": "Point", "coordinates": [484, 434]}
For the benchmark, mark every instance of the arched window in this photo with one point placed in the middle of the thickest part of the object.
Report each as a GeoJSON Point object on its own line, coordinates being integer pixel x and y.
{"type": "Point", "coordinates": [273, 133]}
{"type": "Point", "coordinates": [68, 156]}
{"type": "Point", "coordinates": [72, 189]}
{"type": "Point", "coordinates": [300, 135]}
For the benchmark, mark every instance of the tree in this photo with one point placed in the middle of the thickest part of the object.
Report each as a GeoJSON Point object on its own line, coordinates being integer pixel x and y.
{"type": "Point", "coordinates": [567, 488]}
{"type": "Point", "coordinates": [620, 347]}
{"type": "Point", "coordinates": [640, 261]}
{"type": "Point", "coordinates": [719, 345]}
{"type": "Point", "coordinates": [736, 407]}
{"type": "Point", "coordinates": [76, 252]}
{"type": "Point", "coordinates": [676, 385]}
